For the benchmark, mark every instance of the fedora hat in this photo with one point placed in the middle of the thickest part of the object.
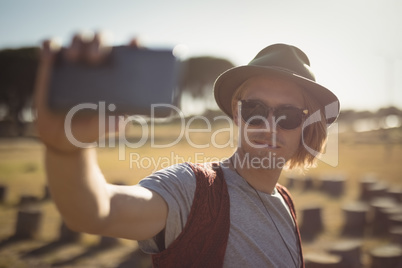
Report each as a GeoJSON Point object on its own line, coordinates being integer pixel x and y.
{"type": "Point", "coordinates": [285, 61]}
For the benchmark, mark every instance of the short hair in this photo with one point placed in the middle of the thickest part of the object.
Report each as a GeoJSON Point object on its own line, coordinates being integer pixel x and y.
{"type": "Point", "coordinates": [313, 135]}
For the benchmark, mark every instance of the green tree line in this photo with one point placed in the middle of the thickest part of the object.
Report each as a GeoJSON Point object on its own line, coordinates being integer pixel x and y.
{"type": "Point", "coordinates": [18, 69]}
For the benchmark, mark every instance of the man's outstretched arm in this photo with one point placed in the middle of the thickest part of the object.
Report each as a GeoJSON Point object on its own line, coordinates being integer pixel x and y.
{"type": "Point", "coordinates": [84, 198]}
{"type": "Point", "coordinates": [89, 204]}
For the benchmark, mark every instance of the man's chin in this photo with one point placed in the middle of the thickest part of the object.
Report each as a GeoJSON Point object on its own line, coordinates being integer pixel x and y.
{"type": "Point", "coordinates": [267, 159]}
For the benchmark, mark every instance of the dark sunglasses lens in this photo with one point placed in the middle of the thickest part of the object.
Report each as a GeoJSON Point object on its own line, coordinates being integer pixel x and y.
{"type": "Point", "coordinates": [253, 113]}
{"type": "Point", "coordinates": [288, 117]}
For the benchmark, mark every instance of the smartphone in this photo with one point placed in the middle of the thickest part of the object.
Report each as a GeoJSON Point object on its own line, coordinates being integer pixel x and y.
{"type": "Point", "coordinates": [131, 79]}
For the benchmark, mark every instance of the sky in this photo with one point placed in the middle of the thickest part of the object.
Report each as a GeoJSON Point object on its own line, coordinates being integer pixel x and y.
{"type": "Point", "coordinates": [354, 46]}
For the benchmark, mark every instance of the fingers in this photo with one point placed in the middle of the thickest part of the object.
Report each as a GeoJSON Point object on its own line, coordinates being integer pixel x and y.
{"type": "Point", "coordinates": [74, 51]}
{"type": "Point", "coordinates": [49, 49]}
{"type": "Point", "coordinates": [135, 43]}
{"type": "Point", "coordinates": [94, 50]}
{"type": "Point", "coordinates": [91, 50]}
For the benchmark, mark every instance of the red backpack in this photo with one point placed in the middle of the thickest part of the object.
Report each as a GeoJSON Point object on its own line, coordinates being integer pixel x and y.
{"type": "Point", "coordinates": [203, 241]}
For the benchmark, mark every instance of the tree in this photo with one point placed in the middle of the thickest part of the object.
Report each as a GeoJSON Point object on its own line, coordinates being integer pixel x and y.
{"type": "Point", "coordinates": [199, 74]}
{"type": "Point", "coordinates": [18, 69]}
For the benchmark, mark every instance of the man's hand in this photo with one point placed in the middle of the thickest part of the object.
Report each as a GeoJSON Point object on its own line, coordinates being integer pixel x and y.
{"type": "Point", "coordinates": [50, 125]}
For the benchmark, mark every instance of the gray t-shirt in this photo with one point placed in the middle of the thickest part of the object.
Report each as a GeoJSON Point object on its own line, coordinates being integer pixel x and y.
{"type": "Point", "coordinates": [254, 240]}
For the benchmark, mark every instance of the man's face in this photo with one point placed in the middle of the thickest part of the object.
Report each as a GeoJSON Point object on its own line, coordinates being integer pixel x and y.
{"type": "Point", "coordinates": [270, 141]}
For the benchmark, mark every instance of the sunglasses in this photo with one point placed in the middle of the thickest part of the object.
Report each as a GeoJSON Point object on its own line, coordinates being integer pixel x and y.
{"type": "Point", "coordinates": [255, 113]}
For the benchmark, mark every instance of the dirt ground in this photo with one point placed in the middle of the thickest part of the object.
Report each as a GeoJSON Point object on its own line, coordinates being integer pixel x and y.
{"type": "Point", "coordinates": [22, 174]}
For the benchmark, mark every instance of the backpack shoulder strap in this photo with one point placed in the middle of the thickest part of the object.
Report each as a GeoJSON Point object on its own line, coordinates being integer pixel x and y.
{"type": "Point", "coordinates": [203, 240]}
{"type": "Point", "coordinates": [289, 201]}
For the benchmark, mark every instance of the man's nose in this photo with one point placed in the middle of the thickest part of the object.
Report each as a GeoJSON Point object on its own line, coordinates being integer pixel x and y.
{"type": "Point", "coordinates": [272, 123]}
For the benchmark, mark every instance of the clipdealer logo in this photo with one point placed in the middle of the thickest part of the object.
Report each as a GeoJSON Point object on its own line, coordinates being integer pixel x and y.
{"type": "Point", "coordinates": [330, 155]}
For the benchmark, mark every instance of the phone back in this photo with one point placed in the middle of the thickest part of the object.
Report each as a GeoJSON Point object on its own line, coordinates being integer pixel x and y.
{"type": "Point", "coordinates": [132, 79]}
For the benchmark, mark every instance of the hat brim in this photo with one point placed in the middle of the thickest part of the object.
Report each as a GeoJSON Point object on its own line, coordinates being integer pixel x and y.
{"type": "Point", "coordinates": [227, 83]}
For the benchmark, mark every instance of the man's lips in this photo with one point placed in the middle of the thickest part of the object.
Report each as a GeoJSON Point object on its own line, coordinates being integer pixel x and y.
{"type": "Point", "coordinates": [266, 144]}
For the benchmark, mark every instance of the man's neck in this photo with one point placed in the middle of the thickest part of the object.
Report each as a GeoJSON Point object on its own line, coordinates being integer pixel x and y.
{"type": "Point", "coordinates": [261, 179]}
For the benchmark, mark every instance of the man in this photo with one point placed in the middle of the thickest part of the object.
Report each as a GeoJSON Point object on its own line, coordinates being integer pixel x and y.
{"type": "Point", "coordinates": [230, 214]}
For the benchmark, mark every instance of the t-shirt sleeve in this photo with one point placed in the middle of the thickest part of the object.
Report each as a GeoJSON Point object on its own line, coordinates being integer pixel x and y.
{"type": "Point", "coordinates": [176, 185]}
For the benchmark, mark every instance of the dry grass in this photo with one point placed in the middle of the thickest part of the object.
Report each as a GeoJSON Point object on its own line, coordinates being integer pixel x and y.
{"type": "Point", "coordinates": [22, 171]}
